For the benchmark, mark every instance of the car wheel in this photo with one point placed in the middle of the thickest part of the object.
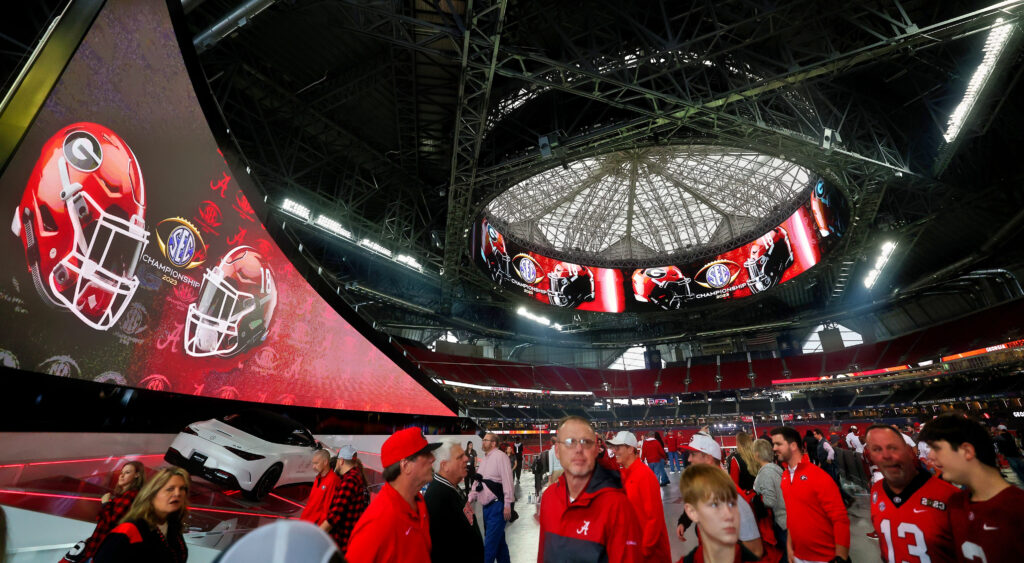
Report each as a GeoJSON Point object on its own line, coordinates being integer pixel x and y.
{"type": "Point", "coordinates": [265, 484]}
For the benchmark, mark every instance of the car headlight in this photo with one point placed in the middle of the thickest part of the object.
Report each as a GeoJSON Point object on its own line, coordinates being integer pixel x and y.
{"type": "Point", "coordinates": [248, 456]}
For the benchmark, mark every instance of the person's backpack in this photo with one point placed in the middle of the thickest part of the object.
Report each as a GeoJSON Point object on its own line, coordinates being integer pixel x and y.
{"type": "Point", "coordinates": [822, 454]}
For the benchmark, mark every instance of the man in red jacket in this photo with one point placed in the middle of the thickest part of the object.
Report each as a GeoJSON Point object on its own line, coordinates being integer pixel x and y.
{"type": "Point", "coordinates": [642, 490]}
{"type": "Point", "coordinates": [818, 525]}
{"type": "Point", "coordinates": [325, 484]}
{"type": "Point", "coordinates": [585, 515]}
{"type": "Point", "coordinates": [672, 445]}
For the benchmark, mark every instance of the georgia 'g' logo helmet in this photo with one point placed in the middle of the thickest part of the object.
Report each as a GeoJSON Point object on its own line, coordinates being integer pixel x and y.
{"type": "Point", "coordinates": [570, 285]}
{"type": "Point", "coordinates": [770, 256]}
{"type": "Point", "coordinates": [81, 223]}
{"type": "Point", "coordinates": [665, 286]}
{"type": "Point", "coordinates": [235, 306]}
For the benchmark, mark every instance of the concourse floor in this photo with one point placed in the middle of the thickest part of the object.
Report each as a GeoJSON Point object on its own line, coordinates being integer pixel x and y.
{"type": "Point", "coordinates": [523, 534]}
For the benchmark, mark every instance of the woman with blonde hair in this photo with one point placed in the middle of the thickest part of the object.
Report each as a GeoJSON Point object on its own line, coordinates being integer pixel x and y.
{"type": "Point", "coordinates": [113, 507]}
{"type": "Point", "coordinates": [151, 531]}
{"type": "Point", "coordinates": [742, 463]}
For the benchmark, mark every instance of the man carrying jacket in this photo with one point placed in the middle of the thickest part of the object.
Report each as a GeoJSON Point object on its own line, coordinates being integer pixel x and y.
{"type": "Point", "coordinates": [585, 515]}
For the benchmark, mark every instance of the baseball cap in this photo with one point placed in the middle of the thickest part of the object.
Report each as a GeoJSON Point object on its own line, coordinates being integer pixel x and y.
{"type": "Point", "coordinates": [294, 540]}
{"type": "Point", "coordinates": [701, 442]}
{"type": "Point", "coordinates": [347, 452]}
{"type": "Point", "coordinates": [1001, 427]}
{"type": "Point", "coordinates": [403, 444]}
{"type": "Point", "coordinates": [624, 438]}
{"type": "Point", "coordinates": [854, 427]}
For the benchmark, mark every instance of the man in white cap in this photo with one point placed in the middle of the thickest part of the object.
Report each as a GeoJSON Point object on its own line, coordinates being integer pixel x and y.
{"type": "Point", "coordinates": [705, 450]}
{"type": "Point", "coordinates": [853, 441]}
{"type": "Point", "coordinates": [644, 494]}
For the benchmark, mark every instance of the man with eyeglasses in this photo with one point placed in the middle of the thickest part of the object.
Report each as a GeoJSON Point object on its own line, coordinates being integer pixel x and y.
{"type": "Point", "coordinates": [585, 515]}
{"type": "Point", "coordinates": [496, 494]}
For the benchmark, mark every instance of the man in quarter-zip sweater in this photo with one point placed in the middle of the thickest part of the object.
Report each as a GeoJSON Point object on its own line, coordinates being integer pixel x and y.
{"type": "Point", "coordinates": [585, 515]}
{"type": "Point", "coordinates": [816, 518]}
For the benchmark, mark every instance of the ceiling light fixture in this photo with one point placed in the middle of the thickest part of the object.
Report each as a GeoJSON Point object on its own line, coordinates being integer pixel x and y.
{"type": "Point", "coordinates": [296, 209]}
{"type": "Point", "coordinates": [993, 48]}
{"type": "Point", "coordinates": [332, 226]}
{"type": "Point", "coordinates": [883, 258]}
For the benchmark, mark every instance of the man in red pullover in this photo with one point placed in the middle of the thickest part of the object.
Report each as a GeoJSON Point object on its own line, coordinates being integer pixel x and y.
{"type": "Point", "coordinates": [653, 455]}
{"type": "Point", "coordinates": [325, 485]}
{"type": "Point", "coordinates": [585, 515]}
{"type": "Point", "coordinates": [642, 490]}
{"type": "Point", "coordinates": [818, 525]}
{"type": "Point", "coordinates": [672, 445]}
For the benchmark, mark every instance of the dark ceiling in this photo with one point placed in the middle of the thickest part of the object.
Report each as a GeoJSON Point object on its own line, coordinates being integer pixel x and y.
{"type": "Point", "coordinates": [402, 119]}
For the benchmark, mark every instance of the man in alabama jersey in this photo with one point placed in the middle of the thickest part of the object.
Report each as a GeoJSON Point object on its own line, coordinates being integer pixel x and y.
{"type": "Point", "coordinates": [909, 506]}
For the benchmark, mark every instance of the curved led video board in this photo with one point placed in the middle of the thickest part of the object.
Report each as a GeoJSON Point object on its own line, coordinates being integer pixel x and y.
{"type": "Point", "coordinates": [134, 257]}
{"type": "Point", "coordinates": [777, 256]}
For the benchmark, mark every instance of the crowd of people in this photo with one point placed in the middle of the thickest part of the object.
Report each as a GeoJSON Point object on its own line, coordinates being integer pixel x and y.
{"type": "Point", "coordinates": [937, 495]}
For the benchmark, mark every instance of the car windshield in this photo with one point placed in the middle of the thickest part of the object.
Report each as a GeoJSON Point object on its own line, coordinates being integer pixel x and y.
{"type": "Point", "coordinates": [270, 427]}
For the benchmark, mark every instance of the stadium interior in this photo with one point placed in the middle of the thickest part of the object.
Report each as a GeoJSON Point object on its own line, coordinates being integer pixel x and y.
{"type": "Point", "coordinates": [498, 190]}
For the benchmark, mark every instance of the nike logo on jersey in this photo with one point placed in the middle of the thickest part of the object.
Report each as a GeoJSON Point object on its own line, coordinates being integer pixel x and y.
{"type": "Point", "coordinates": [917, 511]}
{"type": "Point", "coordinates": [988, 528]}
{"type": "Point", "coordinates": [409, 530]}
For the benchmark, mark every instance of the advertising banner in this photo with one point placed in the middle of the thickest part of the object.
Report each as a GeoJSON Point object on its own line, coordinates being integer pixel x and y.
{"type": "Point", "coordinates": [134, 257]}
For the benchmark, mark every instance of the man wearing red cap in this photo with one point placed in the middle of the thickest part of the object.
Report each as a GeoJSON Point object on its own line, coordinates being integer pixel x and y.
{"type": "Point", "coordinates": [395, 527]}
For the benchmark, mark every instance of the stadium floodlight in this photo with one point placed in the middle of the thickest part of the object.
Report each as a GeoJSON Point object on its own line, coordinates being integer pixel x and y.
{"type": "Point", "coordinates": [535, 318]}
{"type": "Point", "coordinates": [332, 226]}
{"type": "Point", "coordinates": [296, 209]}
{"type": "Point", "coordinates": [883, 258]}
{"type": "Point", "coordinates": [997, 38]}
{"type": "Point", "coordinates": [369, 244]}
{"type": "Point", "coordinates": [409, 261]}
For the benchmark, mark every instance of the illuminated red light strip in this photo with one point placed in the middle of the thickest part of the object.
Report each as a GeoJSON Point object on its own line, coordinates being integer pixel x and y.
{"type": "Point", "coordinates": [221, 511]}
{"type": "Point", "coordinates": [109, 458]}
{"type": "Point", "coordinates": [289, 501]}
{"type": "Point", "coordinates": [50, 495]}
{"type": "Point", "coordinates": [96, 499]}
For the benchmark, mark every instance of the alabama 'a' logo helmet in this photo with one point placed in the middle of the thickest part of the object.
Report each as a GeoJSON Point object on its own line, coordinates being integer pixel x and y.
{"type": "Point", "coordinates": [81, 221]}
{"type": "Point", "coordinates": [235, 306]}
{"type": "Point", "coordinates": [770, 256]}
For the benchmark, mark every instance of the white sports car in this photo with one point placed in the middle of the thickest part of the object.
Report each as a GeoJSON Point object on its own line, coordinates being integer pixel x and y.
{"type": "Point", "coordinates": [252, 450]}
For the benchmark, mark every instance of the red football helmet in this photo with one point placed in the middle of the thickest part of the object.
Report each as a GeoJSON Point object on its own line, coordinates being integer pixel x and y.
{"type": "Point", "coordinates": [494, 253]}
{"type": "Point", "coordinates": [770, 255]}
{"type": "Point", "coordinates": [81, 223]}
{"type": "Point", "coordinates": [666, 286]}
{"type": "Point", "coordinates": [235, 306]}
{"type": "Point", "coordinates": [570, 285]}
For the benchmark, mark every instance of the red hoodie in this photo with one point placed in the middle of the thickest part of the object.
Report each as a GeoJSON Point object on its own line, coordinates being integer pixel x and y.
{"type": "Point", "coordinates": [815, 515]}
{"type": "Point", "coordinates": [598, 526]}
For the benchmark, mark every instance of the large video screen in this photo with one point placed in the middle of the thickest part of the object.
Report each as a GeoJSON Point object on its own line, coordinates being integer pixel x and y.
{"type": "Point", "coordinates": [133, 256]}
{"type": "Point", "coordinates": [777, 256]}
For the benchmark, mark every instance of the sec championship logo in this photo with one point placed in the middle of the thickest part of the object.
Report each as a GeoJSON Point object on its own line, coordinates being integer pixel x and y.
{"type": "Point", "coordinates": [181, 243]}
